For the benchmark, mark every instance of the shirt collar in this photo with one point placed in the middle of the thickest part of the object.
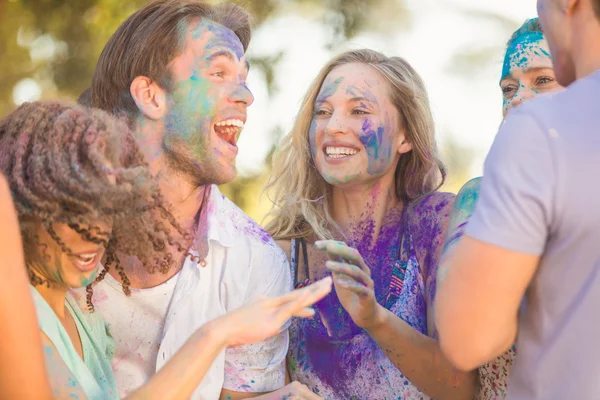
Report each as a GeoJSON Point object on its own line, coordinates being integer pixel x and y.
{"type": "Point", "coordinates": [216, 222]}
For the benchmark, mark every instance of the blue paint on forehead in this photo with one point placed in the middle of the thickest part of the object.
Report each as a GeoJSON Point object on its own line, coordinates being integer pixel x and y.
{"type": "Point", "coordinates": [356, 92]}
{"type": "Point", "coordinates": [225, 38]}
{"type": "Point", "coordinates": [329, 89]}
{"type": "Point", "coordinates": [516, 53]}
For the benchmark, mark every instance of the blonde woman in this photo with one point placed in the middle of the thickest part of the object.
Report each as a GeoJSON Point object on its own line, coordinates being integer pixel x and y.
{"type": "Point", "coordinates": [355, 195]}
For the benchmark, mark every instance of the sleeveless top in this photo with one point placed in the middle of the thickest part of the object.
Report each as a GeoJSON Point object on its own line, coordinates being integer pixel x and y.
{"type": "Point", "coordinates": [94, 374]}
{"type": "Point", "coordinates": [349, 364]}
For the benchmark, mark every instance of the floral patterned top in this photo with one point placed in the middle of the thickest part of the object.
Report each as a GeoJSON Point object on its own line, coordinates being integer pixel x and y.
{"type": "Point", "coordinates": [340, 360]}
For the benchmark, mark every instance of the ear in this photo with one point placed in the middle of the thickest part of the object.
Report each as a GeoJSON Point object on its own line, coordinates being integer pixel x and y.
{"type": "Point", "coordinates": [149, 97]}
{"type": "Point", "coordinates": [404, 146]}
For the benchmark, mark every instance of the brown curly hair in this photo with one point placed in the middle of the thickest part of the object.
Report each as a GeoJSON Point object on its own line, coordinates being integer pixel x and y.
{"type": "Point", "coordinates": [59, 160]}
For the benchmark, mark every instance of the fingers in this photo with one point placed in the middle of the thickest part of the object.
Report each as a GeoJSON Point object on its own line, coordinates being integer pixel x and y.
{"type": "Point", "coordinates": [309, 295]}
{"type": "Point", "coordinates": [336, 250]}
{"type": "Point", "coordinates": [315, 292]}
{"type": "Point", "coordinates": [305, 313]}
{"type": "Point", "coordinates": [307, 394]}
{"type": "Point", "coordinates": [353, 286]}
{"type": "Point", "coordinates": [306, 295]}
{"type": "Point", "coordinates": [291, 296]}
{"type": "Point", "coordinates": [351, 271]}
{"type": "Point", "coordinates": [300, 391]}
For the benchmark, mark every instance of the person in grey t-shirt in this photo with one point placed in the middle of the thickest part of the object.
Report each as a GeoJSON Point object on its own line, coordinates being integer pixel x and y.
{"type": "Point", "coordinates": [533, 242]}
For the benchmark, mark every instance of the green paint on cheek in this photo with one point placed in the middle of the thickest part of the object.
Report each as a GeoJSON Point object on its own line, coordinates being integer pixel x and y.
{"type": "Point", "coordinates": [87, 281]}
{"type": "Point", "coordinates": [194, 106]}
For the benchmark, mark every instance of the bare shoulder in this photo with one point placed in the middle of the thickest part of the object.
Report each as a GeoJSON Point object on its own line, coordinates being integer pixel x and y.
{"type": "Point", "coordinates": [466, 200]}
{"type": "Point", "coordinates": [469, 189]}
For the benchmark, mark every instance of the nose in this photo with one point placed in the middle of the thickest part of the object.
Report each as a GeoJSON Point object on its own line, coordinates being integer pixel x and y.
{"type": "Point", "coordinates": [242, 94]}
{"type": "Point", "coordinates": [336, 124]}
{"type": "Point", "coordinates": [523, 94]}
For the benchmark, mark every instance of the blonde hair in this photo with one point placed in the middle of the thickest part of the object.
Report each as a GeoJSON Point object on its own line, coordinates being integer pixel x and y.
{"type": "Point", "coordinates": [300, 195]}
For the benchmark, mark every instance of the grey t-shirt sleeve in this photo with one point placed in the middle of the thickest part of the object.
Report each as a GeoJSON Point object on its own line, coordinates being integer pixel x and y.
{"type": "Point", "coordinates": [514, 211]}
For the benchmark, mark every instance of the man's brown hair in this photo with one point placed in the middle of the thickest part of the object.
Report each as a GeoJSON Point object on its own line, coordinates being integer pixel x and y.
{"type": "Point", "coordinates": [147, 41]}
{"type": "Point", "coordinates": [596, 5]}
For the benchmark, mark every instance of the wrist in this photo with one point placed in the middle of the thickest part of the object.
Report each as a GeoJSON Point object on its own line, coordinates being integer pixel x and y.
{"type": "Point", "coordinates": [379, 320]}
{"type": "Point", "coordinates": [216, 332]}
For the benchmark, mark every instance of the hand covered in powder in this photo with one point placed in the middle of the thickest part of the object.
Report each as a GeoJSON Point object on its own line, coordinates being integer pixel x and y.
{"type": "Point", "coordinates": [353, 283]}
{"type": "Point", "coordinates": [264, 317]}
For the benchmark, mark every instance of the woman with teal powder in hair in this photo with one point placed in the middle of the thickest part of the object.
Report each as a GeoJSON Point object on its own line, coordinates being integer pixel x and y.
{"type": "Point", "coordinates": [526, 72]}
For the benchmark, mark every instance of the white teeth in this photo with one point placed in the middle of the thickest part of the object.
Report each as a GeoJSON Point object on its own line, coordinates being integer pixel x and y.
{"type": "Point", "coordinates": [231, 122]}
{"type": "Point", "coordinates": [339, 152]}
{"type": "Point", "coordinates": [86, 259]}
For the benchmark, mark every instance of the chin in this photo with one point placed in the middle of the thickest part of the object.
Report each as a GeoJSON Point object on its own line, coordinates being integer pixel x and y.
{"type": "Point", "coordinates": [341, 180]}
{"type": "Point", "coordinates": [225, 176]}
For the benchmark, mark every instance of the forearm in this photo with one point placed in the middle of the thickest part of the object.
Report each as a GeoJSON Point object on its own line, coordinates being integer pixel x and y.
{"type": "Point", "coordinates": [18, 323]}
{"type": "Point", "coordinates": [420, 359]}
{"type": "Point", "coordinates": [469, 337]}
{"type": "Point", "coordinates": [183, 373]}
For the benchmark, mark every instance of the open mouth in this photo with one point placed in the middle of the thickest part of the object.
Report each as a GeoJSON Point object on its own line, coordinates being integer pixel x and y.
{"type": "Point", "coordinates": [86, 262]}
{"type": "Point", "coordinates": [340, 152]}
{"type": "Point", "coordinates": [229, 130]}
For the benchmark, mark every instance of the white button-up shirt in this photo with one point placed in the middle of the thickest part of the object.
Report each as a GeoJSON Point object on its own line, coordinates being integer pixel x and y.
{"type": "Point", "coordinates": [243, 263]}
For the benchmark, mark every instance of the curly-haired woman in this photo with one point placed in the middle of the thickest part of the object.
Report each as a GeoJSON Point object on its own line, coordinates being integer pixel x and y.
{"type": "Point", "coordinates": [83, 192]}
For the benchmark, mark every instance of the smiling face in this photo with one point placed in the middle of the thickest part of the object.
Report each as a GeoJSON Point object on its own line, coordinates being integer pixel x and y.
{"type": "Point", "coordinates": [355, 134]}
{"type": "Point", "coordinates": [78, 266]}
{"type": "Point", "coordinates": [527, 70]}
{"type": "Point", "coordinates": [208, 104]}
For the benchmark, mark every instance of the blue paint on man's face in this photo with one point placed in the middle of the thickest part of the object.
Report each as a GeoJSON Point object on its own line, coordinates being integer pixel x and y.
{"type": "Point", "coordinates": [209, 86]}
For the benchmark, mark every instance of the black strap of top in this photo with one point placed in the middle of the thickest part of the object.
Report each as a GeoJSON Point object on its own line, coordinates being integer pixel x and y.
{"type": "Point", "coordinates": [398, 272]}
{"type": "Point", "coordinates": [300, 243]}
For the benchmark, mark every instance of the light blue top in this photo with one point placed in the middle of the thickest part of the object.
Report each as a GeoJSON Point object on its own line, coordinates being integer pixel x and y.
{"type": "Point", "coordinates": [94, 374]}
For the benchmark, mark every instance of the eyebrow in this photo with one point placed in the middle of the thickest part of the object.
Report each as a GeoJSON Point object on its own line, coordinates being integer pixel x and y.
{"type": "Point", "coordinates": [526, 71]}
{"type": "Point", "coordinates": [229, 56]}
{"type": "Point", "coordinates": [222, 53]}
{"type": "Point", "coordinates": [359, 98]}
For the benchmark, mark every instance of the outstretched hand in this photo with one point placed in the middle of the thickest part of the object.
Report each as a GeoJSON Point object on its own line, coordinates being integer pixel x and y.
{"type": "Point", "coordinates": [264, 317]}
{"type": "Point", "coordinates": [353, 283]}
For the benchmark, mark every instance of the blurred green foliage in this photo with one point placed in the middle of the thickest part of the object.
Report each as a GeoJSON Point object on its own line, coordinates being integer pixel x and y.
{"type": "Point", "coordinates": [56, 43]}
